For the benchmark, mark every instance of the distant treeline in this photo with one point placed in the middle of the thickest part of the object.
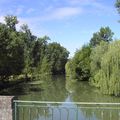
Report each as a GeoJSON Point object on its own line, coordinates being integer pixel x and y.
{"type": "Point", "coordinates": [22, 53]}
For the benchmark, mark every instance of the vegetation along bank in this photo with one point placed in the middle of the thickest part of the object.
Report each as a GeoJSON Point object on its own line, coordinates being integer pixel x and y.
{"type": "Point", "coordinates": [23, 55]}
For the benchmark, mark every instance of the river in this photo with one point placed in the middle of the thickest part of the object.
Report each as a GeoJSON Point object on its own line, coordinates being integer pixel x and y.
{"type": "Point", "coordinates": [58, 89]}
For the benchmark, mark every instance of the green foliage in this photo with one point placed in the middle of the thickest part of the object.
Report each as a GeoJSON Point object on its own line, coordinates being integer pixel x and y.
{"type": "Point", "coordinates": [98, 62]}
{"type": "Point", "coordinates": [45, 67]}
{"type": "Point", "coordinates": [79, 67]}
{"type": "Point", "coordinates": [11, 21]}
{"type": "Point", "coordinates": [105, 34]}
{"type": "Point", "coordinates": [49, 58]}
{"type": "Point", "coordinates": [82, 59]}
{"type": "Point", "coordinates": [117, 5]}
{"type": "Point", "coordinates": [23, 53]}
{"type": "Point", "coordinates": [70, 69]}
{"type": "Point", "coordinates": [110, 67]}
{"type": "Point", "coordinates": [11, 52]}
{"type": "Point", "coordinates": [58, 57]}
{"type": "Point", "coordinates": [29, 41]}
{"type": "Point", "coordinates": [107, 77]}
{"type": "Point", "coordinates": [96, 58]}
{"type": "Point", "coordinates": [39, 50]}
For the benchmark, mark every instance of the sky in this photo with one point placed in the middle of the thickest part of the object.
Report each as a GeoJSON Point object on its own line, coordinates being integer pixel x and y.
{"type": "Point", "coordinates": [68, 22]}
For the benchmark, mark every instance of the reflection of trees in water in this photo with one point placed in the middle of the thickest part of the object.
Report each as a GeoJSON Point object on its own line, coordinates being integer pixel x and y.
{"type": "Point", "coordinates": [19, 89]}
{"type": "Point", "coordinates": [83, 92]}
{"type": "Point", "coordinates": [52, 88]}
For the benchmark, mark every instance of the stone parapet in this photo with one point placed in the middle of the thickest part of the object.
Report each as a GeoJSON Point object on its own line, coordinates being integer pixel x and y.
{"type": "Point", "coordinates": [6, 107]}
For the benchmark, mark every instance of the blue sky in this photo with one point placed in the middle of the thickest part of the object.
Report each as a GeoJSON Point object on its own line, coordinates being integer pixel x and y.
{"type": "Point", "coordinates": [68, 22]}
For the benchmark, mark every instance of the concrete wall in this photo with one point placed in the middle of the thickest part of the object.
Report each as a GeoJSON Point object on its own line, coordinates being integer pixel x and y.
{"type": "Point", "coordinates": [6, 107]}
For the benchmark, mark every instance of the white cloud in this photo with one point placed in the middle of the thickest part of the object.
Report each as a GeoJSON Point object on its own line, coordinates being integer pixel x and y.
{"type": "Point", "coordinates": [30, 10]}
{"type": "Point", "coordinates": [55, 14]}
{"type": "Point", "coordinates": [14, 10]}
{"type": "Point", "coordinates": [93, 6]}
{"type": "Point", "coordinates": [100, 6]}
{"type": "Point", "coordinates": [81, 2]}
{"type": "Point", "coordinates": [19, 10]}
{"type": "Point", "coordinates": [63, 12]}
{"type": "Point", "coordinates": [100, 9]}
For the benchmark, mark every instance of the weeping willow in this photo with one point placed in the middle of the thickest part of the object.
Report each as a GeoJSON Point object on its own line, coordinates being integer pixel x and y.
{"type": "Point", "coordinates": [95, 65]}
{"type": "Point", "coordinates": [108, 75]}
{"type": "Point", "coordinates": [110, 70]}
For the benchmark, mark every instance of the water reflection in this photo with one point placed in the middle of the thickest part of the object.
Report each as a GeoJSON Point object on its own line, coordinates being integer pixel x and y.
{"type": "Point", "coordinates": [83, 92]}
{"type": "Point", "coordinates": [46, 88]}
{"type": "Point", "coordinates": [57, 88]}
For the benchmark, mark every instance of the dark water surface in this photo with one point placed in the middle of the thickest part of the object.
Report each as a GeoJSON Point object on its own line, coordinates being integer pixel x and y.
{"type": "Point", "coordinates": [58, 89]}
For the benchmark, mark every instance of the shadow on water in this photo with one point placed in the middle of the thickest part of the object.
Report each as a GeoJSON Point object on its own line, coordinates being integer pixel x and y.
{"type": "Point", "coordinates": [15, 90]}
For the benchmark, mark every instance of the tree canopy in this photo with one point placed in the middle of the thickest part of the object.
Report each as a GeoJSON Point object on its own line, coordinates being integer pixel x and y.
{"type": "Point", "coordinates": [21, 52]}
{"type": "Point", "coordinates": [11, 21]}
{"type": "Point", "coordinates": [117, 5]}
{"type": "Point", "coordinates": [79, 66]}
{"type": "Point", "coordinates": [105, 34]}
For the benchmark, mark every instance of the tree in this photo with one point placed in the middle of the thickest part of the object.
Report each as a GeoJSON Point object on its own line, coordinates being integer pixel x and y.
{"type": "Point", "coordinates": [29, 41]}
{"type": "Point", "coordinates": [82, 58]}
{"type": "Point", "coordinates": [95, 65]}
{"type": "Point", "coordinates": [45, 67]}
{"type": "Point", "coordinates": [11, 22]}
{"type": "Point", "coordinates": [49, 57]}
{"type": "Point", "coordinates": [110, 67]}
{"type": "Point", "coordinates": [106, 74]}
{"type": "Point", "coordinates": [79, 67]}
{"type": "Point", "coordinates": [11, 52]}
{"type": "Point", "coordinates": [23, 53]}
{"type": "Point", "coordinates": [117, 5]}
{"type": "Point", "coordinates": [39, 50]}
{"type": "Point", "coordinates": [25, 29]}
{"type": "Point", "coordinates": [70, 70]}
{"type": "Point", "coordinates": [58, 57]}
{"type": "Point", "coordinates": [105, 34]}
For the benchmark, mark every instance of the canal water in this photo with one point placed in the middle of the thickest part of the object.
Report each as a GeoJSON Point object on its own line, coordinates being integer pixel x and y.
{"type": "Point", "coordinates": [60, 89]}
